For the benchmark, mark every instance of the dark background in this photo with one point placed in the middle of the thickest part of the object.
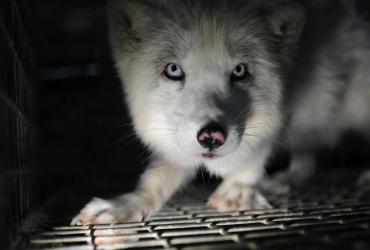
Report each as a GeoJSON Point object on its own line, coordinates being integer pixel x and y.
{"type": "Point", "coordinates": [64, 131]}
{"type": "Point", "coordinates": [65, 134]}
{"type": "Point", "coordinates": [84, 125]}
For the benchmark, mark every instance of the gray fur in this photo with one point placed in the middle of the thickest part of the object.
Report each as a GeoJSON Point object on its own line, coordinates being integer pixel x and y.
{"type": "Point", "coordinates": [329, 89]}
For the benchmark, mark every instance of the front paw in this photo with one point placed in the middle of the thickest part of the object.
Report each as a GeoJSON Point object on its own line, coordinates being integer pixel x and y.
{"type": "Point", "coordinates": [127, 208]}
{"type": "Point", "coordinates": [236, 197]}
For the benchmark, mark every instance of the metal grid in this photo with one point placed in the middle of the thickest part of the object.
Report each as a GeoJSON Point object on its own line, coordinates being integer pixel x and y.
{"type": "Point", "coordinates": [18, 118]}
{"type": "Point", "coordinates": [316, 219]}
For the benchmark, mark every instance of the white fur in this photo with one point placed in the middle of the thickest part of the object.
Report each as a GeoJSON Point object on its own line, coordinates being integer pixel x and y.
{"type": "Point", "coordinates": [167, 115]}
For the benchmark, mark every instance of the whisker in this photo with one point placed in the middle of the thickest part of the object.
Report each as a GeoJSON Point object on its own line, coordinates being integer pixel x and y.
{"type": "Point", "coordinates": [271, 140]}
{"type": "Point", "coordinates": [146, 159]}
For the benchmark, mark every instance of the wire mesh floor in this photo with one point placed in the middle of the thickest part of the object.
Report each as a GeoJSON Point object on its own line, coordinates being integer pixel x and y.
{"type": "Point", "coordinates": [322, 218]}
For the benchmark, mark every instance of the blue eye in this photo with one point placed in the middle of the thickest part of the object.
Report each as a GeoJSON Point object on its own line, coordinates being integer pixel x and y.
{"type": "Point", "coordinates": [240, 72]}
{"type": "Point", "coordinates": [174, 72]}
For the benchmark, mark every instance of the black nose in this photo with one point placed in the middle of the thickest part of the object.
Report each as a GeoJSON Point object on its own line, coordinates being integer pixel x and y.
{"type": "Point", "coordinates": [212, 136]}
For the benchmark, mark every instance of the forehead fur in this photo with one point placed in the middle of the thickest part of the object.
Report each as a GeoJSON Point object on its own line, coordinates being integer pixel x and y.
{"type": "Point", "coordinates": [175, 26]}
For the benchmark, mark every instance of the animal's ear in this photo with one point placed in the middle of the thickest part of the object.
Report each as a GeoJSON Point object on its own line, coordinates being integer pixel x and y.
{"type": "Point", "coordinates": [287, 21]}
{"type": "Point", "coordinates": [128, 22]}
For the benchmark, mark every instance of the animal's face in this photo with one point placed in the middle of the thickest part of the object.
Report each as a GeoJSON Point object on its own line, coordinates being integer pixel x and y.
{"type": "Point", "coordinates": [201, 83]}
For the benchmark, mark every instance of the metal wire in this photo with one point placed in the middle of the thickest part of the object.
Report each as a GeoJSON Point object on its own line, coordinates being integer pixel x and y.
{"type": "Point", "coordinates": [319, 219]}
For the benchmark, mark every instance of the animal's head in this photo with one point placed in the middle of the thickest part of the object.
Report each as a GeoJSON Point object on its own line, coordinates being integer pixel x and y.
{"type": "Point", "coordinates": [203, 79]}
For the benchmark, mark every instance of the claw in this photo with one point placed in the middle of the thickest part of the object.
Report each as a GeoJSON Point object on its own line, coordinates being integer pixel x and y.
{"type": "Point", "coordinates": [126, 209]}
{"type": "Point", "coordinates": [237, 197]}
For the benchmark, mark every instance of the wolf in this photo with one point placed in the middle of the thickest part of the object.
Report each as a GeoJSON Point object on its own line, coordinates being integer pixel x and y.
{"type": "Point", "coordinates": [218, 83]}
